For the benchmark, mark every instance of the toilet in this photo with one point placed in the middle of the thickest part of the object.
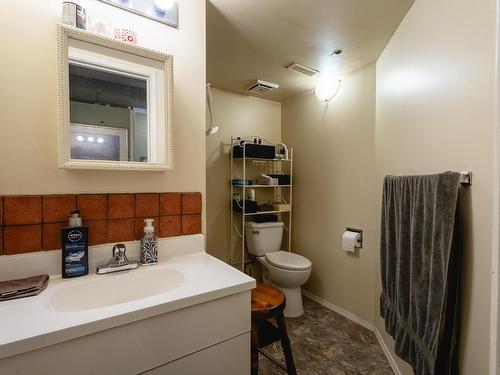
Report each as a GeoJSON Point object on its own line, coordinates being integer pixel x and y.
{"type": "Point", "coordinates": [287, 271]}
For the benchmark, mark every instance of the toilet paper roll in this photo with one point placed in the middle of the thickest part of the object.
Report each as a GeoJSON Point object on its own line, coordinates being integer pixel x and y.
{"type": "Point", "coordinates": [351, 240]}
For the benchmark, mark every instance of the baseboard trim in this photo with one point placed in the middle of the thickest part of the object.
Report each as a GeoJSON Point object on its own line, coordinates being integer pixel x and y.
{"type": "Point", "coordinates": [387, 352]}
{"type": "Point", "coordinates": [356, 319]}
{"type": "Point", "coordinates": [339, 310]}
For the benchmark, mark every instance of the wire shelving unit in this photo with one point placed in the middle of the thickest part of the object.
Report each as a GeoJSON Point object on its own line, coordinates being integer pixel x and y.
{"type": "Point", "coordinates": [240, 170]}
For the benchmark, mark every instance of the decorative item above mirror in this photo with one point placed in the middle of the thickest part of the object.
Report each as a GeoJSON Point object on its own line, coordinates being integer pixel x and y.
{"type": "Point", "coordinates": [114, 103]}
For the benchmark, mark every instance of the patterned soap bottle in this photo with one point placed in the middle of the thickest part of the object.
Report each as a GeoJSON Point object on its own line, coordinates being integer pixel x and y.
{"type": "Point", "coordinates": [149, 244]}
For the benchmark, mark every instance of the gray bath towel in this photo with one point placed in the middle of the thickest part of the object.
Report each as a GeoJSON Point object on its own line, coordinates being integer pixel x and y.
{"type": "Point", "coordinates": [420, 270]}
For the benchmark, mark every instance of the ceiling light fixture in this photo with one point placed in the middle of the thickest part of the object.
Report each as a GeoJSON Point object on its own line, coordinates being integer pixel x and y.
{"type": "Point", "coordinates": [327, 90]}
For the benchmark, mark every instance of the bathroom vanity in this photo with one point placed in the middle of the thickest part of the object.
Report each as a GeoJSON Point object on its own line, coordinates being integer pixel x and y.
{"type": "Point", "coordinates": [190, 314]}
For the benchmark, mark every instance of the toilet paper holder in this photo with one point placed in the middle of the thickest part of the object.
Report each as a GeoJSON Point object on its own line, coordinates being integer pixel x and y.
{"type": "Point", "coordinates": [349, 229]}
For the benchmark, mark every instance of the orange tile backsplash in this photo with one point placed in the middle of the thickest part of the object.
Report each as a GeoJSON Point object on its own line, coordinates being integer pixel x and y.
{"type": "Point", "coordinates": [121, 230]}
{"type": "Point", "coordinates": [22, 239]}
{"type": "Point", "coordinates": [170, 204]}
{"type": "Point", "coordinates": [191, 203]}
{"type": "Point", "coordinates": [93, 206]}
{"type": "Point", "coordinates": [33, 223]}
{"type": "Point", "coordinates": [147, 205]}
{"type": "Point", "coordinates": [191, 224]}
{"type": "Point", "coordinates": [170, 226]}
{"type": "Point", "coordinates": [51, 235]}
{"type": "Point", "coordinates": [98, 231]}
{"type": "Point", "coordinates": [121, 206]}
{"type": "Point", "coordinates": [56, 208]}
{"type": "Point", "coordinates": [22, 210]}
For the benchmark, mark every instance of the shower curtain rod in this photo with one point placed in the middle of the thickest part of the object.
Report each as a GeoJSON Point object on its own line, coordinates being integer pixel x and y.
{"type": "Point", "coordinates": [466, 178]}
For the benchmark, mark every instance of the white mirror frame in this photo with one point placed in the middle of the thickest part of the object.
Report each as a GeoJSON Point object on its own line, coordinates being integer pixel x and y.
{"type": "Point", "coordinates": [64, 33]}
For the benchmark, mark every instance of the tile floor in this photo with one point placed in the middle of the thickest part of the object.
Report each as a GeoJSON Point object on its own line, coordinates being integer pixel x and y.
{"type": "Point", "coordinates": [324, 342]}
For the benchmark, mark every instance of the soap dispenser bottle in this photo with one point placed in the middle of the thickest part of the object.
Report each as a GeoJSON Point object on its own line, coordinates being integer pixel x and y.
{"type": "Point", "coordinates": [149, 244]}
{"type": "Point", "coordinates": [75, 250]}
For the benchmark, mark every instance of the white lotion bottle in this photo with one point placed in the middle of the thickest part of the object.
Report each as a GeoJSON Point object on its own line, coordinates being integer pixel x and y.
{"type": "Point", "coordinates": [149, 245]}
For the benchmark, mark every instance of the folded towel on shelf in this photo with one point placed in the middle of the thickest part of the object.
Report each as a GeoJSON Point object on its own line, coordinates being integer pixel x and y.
{"type": "Point", "coordinates": [19, 288]}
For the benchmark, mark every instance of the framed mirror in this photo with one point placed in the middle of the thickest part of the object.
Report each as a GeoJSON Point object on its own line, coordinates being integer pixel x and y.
{"type": "Point", "coordinates": [114, 103]}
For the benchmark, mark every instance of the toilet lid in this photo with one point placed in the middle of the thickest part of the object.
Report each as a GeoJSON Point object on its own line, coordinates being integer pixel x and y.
{"type": "Point", "coordinates": [288, 261]}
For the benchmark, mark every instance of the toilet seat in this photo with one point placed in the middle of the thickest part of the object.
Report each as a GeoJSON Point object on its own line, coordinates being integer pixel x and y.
{"type": "Point", "coordinates": [288, 261]}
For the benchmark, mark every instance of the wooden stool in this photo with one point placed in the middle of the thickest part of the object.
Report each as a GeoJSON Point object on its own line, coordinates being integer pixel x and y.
{"type": "Point", "coordinates": [268, 303]}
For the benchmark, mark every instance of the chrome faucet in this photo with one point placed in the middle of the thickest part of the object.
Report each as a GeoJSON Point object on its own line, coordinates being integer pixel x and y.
{"type": "Point", "coordinates": [119, 261]}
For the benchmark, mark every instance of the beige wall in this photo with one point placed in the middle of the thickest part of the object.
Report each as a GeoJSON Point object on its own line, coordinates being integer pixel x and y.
{"type": "Point", "coordinates": [334, 174]}
{"type": "Point", "coordinates": [435, 112]}
{"type": "Point", "coordinates": [236, 115]}
{"type": "Point", "coordinates": [28, 77]}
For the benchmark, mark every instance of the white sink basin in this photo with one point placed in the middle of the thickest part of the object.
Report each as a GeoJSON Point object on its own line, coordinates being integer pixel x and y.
{"type": "Point", "coordinates": [116, 288]}
{"type": "Point", "coordinates": [69, 309]}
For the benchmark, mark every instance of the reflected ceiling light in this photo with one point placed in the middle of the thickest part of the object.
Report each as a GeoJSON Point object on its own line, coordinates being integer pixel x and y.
{"type": "Point", "coordinates": [100, 140]}
{"type": "Point", "coordinates": [79, 138]}
{"type": "Point", "coordinates": [327, 90]}
{"type": "Point", "coordinates": [90, 139]}
{"type": "Point", "coordinates": [164, 5]}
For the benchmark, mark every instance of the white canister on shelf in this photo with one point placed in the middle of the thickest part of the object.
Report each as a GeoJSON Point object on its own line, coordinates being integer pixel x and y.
{"type": "Point", "coordinates": [251, 194]}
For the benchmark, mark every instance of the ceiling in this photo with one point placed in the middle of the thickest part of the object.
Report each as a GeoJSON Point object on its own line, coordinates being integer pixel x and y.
{"type": "Point", "coordinates": [88, 85]}
{"type": "Point", "coordinates": [258, 39]}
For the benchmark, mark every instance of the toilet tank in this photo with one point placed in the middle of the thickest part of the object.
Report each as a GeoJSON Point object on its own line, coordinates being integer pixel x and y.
{"type": "Point", "coordinates": [263, 238]}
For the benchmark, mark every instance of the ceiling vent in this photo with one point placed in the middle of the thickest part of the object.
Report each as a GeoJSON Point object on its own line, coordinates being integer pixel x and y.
{"type": "Point", "coordinates": [262, 87]}
{"type": "Point", "coordinates": [302, 69]}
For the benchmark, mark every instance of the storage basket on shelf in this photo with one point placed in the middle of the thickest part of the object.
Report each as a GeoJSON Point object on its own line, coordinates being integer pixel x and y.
{"type": "Point", "coordinates": [253, 150]}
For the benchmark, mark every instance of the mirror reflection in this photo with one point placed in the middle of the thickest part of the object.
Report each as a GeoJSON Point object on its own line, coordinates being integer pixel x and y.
{"type": "Point", "coordinates": [108, 114]}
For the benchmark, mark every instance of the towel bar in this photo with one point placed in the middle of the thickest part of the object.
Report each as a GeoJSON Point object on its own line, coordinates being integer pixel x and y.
{"type": "Point", "coordinates": [466, 178]}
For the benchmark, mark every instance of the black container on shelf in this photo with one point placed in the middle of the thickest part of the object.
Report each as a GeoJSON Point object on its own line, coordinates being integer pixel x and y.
{"type": "Point", "coordinates": [283, 179]}
{"type": "Point", "coordinates": [250, 206]}
{"type": "Point", "coordinates": [265, 207]}
{"type": "Point", "coordinates": [266, 218]}
{"type": "Point", "coordinates": [254, 150]}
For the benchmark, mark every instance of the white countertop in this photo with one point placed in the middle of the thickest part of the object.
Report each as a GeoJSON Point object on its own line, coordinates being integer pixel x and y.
{"type": "Point", "coordinates": [32, 323]}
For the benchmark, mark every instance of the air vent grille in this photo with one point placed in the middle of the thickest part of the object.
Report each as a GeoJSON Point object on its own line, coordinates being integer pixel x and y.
{"type": "Point", "coordinates": [303, 69]}
{"type": "Point", "coordinates": [262, 87]}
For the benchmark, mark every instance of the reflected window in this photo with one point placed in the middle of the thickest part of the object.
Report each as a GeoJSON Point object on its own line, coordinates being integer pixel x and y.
{"type": "Point", "coordinates": [108, 114]}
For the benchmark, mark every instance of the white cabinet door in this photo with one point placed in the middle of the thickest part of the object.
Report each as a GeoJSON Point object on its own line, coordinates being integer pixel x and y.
{"type": "Point", "coordinates": [229, 357]}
